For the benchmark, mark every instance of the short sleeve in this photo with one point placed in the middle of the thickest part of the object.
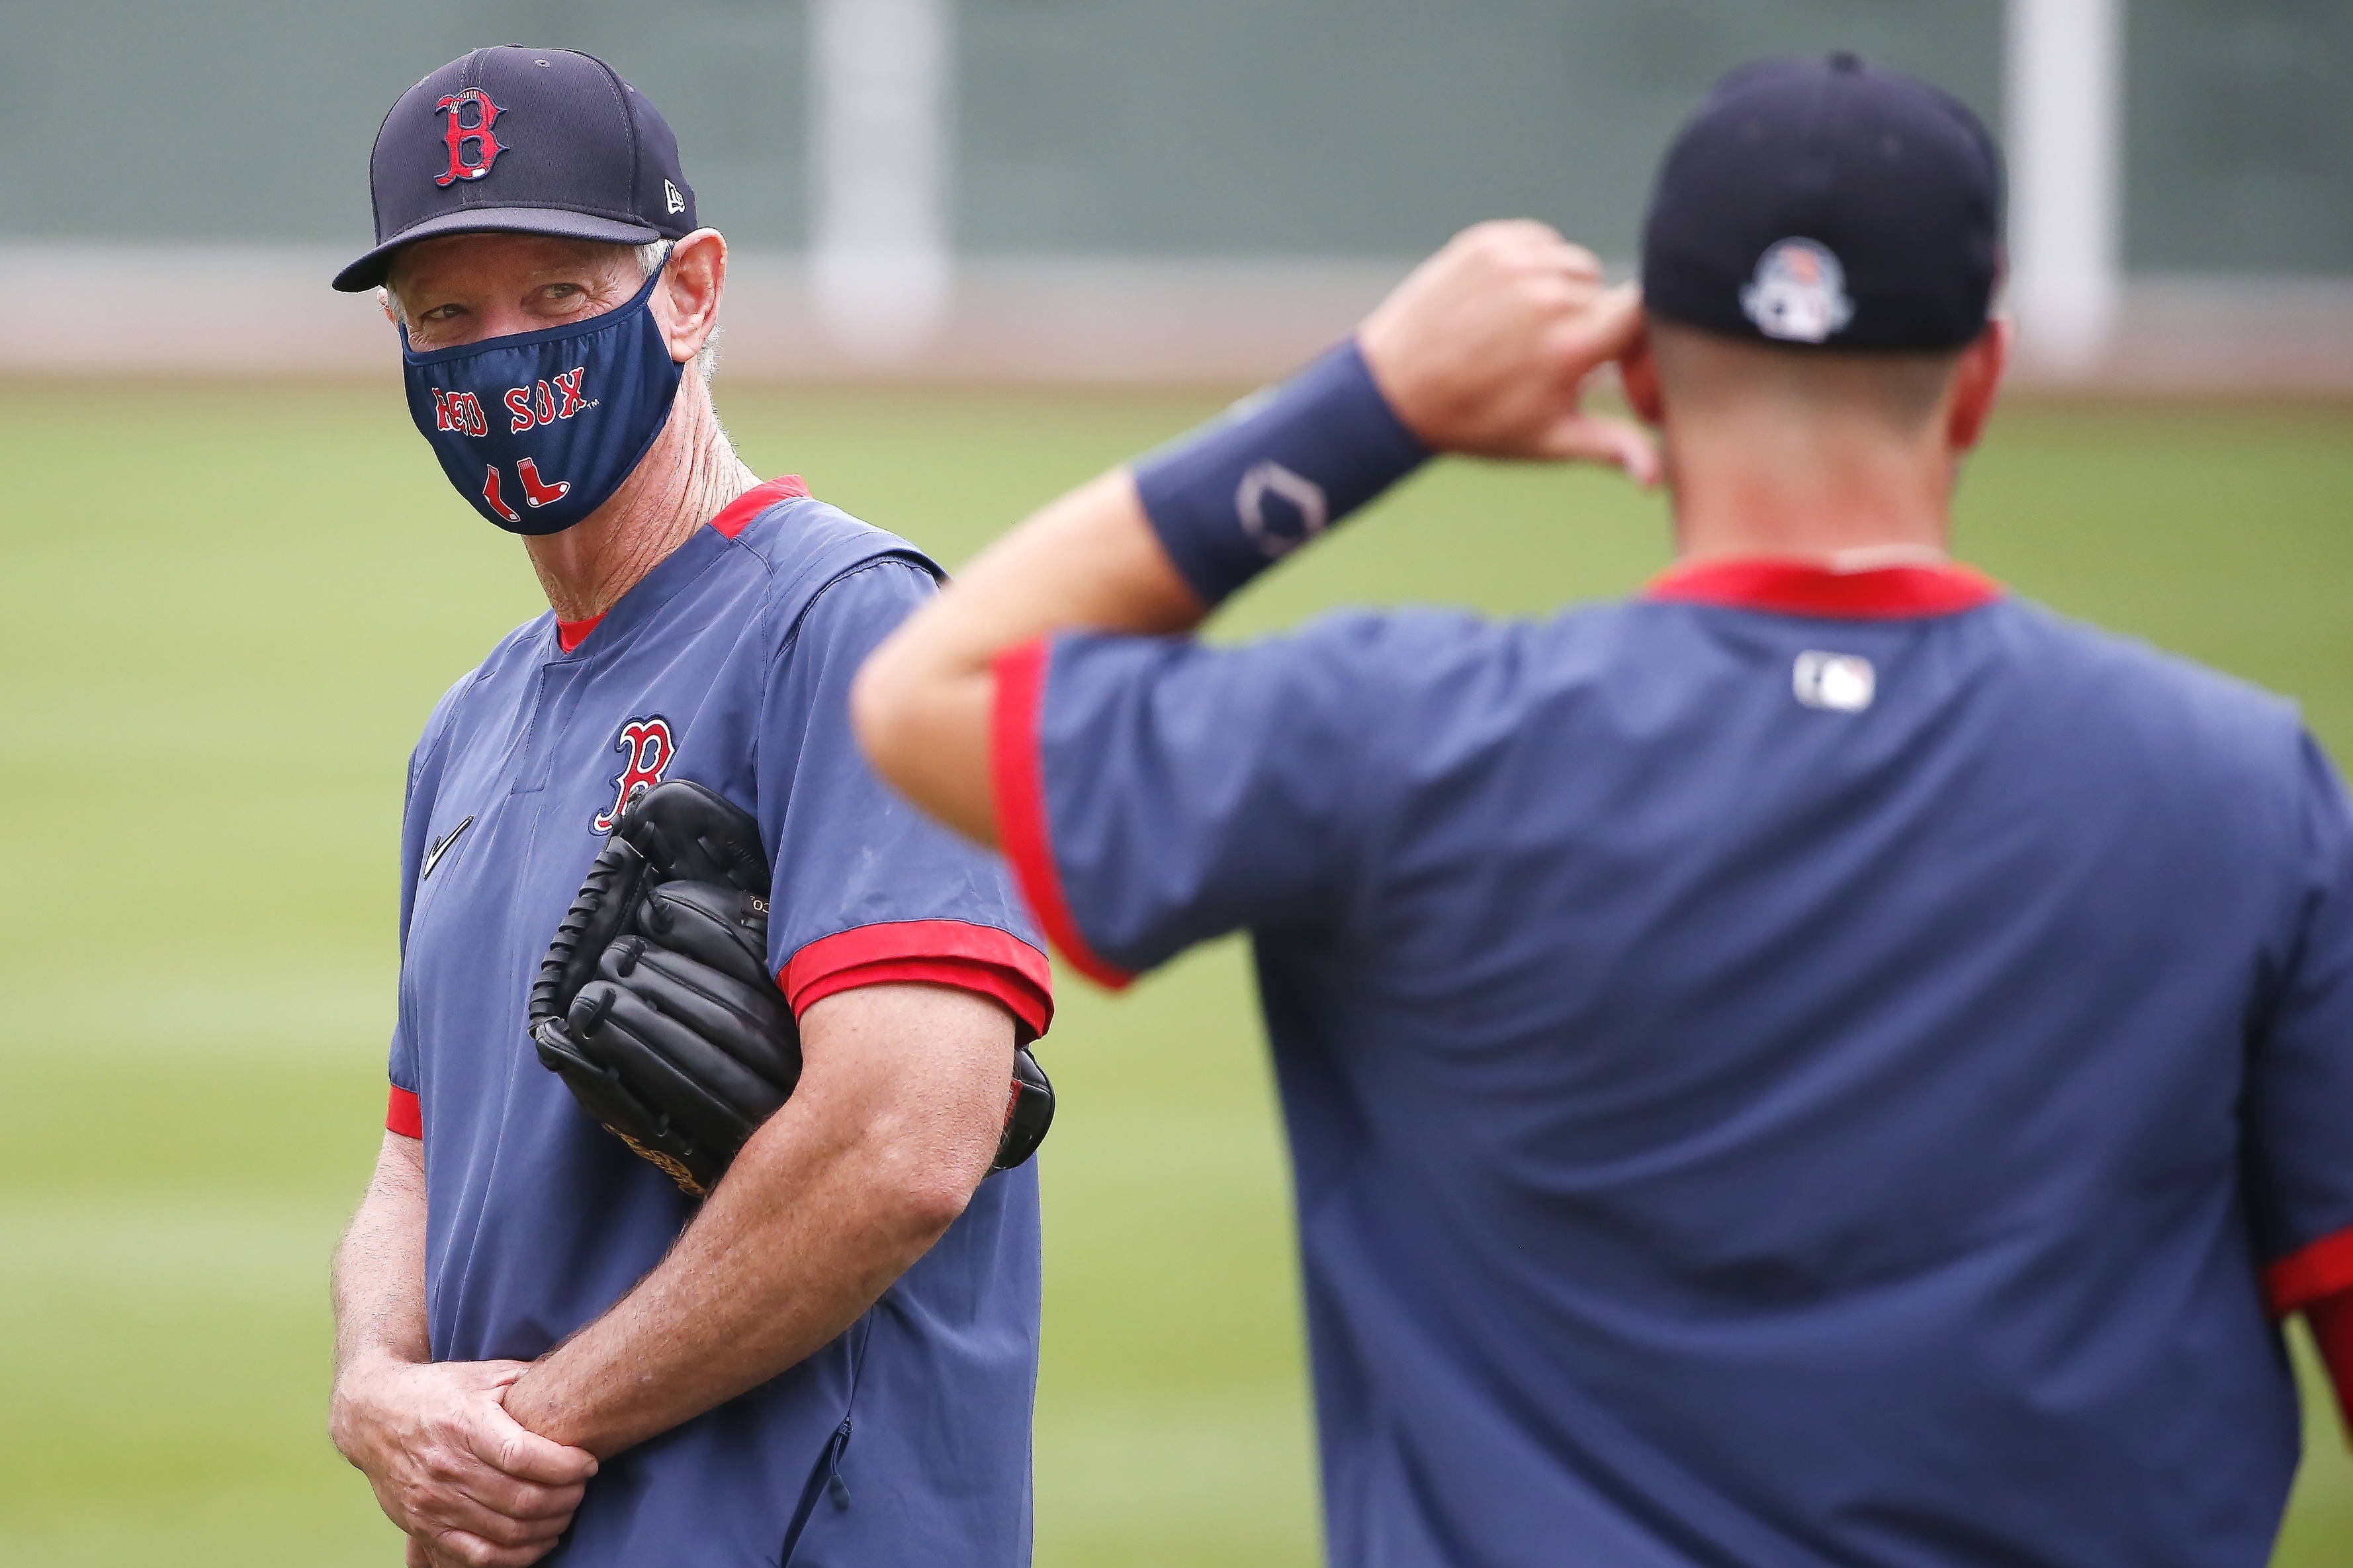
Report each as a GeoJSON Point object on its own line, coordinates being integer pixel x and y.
{"type": "Point", "coordinates": [403, 1114]}
{"type": "Point", "coordinates": [868, 890]}
{"type": "Point", "coordinates": [2301, 1098]}
{"type": "Point", "coordinates": [414, 815]}
{"type": "Point", "coordinates": [1152, 793]}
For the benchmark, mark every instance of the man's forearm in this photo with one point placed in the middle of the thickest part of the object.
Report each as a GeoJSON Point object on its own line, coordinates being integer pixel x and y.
{"type": "Point", "coordinates": [379, 1280]}
{"type": "Point", "coordinates": [874, 1156]}
{"type": "Point", "coordinates": [448, 1465]}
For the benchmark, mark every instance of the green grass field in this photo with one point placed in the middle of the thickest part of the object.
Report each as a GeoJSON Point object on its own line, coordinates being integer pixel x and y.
{"type": "Point", "coordinates": [224, 613]}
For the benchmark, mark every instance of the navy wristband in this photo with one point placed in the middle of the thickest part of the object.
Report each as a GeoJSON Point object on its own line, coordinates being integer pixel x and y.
{"type": "Point", "coordinates": [1233, 497]}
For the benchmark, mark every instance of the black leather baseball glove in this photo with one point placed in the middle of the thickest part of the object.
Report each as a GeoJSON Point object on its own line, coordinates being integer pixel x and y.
{"type": "Point", "coordinates": [655, 1007]}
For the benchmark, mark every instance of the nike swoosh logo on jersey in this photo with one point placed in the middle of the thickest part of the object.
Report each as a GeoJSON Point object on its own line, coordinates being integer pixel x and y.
{"type": "Point", "coordinates": [433, 856]}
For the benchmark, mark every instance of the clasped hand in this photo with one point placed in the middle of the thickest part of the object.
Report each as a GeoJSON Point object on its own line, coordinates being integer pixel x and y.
{"type": "Point", "coordinates": [451, 1467]}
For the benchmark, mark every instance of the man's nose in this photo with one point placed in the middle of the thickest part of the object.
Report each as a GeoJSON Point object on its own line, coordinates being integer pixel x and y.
{"type": "Point", "coordinates": [504, 320]}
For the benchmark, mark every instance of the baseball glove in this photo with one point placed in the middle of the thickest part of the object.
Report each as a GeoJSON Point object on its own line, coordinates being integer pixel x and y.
{"type": "Point", "coordinates": [654, 1003]}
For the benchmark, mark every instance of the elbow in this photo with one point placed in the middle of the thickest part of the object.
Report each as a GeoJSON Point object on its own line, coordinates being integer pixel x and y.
{"type": "Point", "coordinates": [924, 731]}
{"type": "Point", "coordinates": [923, 1206]}
{"type": "Point", "coordinates": [922, 1185]}
{"type": "Point", "coordinates": [880, 711]}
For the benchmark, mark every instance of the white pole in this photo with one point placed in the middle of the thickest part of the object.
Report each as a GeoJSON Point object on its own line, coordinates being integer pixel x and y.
{"type": "Point", "coordinates": [881, 86]}
{"type": "Point", "coordinates": [2065, 112]}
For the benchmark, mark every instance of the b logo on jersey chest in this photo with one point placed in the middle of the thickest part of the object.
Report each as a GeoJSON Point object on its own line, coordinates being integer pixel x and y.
{"type": "Point", "coordinates": [648, 745]}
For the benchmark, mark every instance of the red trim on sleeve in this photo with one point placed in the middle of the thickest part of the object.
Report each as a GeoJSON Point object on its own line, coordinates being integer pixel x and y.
{"type": "Point", "coordinates": [2323, 1269]}
{"type": "Point", "coordinates": [757, 499]}
{"type": "Point", "coordinates": [1016, 776]}
{"type": "Point", "coordinates": [1031, 1007]}
{"type": "Point", "coordinates": [570, 634]}
{"type": "Point", "coordinates": [404, 1115]}
{"type": "Point", "coordinates": [977, 958]}
{"type": "Point", "coordinates": [1811, 588]}
{"type": "Point", "coordinates": [2331, 1322]}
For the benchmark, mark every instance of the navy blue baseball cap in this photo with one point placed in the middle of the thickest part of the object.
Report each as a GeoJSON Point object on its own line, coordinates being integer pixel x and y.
{"type": "Point", "coordinates": [523, 141]}
{"type": "Point", "coordinates": [1828, 203]}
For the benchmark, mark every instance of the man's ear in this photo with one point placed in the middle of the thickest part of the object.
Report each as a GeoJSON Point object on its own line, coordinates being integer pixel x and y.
{"type": "Point", "coordinates": [1638, 371]}
{"type": "Point", "coordinates": [694, 278]}
{"type": "Point", "coordinates": [1975, 382]}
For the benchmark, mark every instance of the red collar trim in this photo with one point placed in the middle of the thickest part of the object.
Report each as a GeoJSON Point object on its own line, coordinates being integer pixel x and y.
{"type": "Point", "coordinates": [570, 634]}
{"type": "Point", "coordinates": [757, 499]}
{"type": "Point", "coordinates": [738, 515]}
{"type": "Point", "coordinates": [1809, 588]}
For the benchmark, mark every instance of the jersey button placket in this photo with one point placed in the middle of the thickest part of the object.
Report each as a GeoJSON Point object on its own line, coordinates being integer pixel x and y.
{"type": "Point", "coordinates": [552, 709]}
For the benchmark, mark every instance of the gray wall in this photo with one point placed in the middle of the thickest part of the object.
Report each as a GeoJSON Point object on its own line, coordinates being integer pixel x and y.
{"type": "Point", "coordinates": [2240, 118]}
{"type": "Point", "coordinates": [170, 120]}
{"type": "Point", "coordinates": [1371, 126]}
{"type": "Point", "coordinates": [1250, 127]}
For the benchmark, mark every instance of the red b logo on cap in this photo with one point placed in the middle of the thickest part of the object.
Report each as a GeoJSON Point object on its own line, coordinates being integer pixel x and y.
{"type": "Point", "coordinates": [457, 133]}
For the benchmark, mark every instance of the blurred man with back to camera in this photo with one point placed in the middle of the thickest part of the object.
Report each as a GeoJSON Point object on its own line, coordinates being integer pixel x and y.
{"type": "Point", "coordinates": [1824, 1063]}
{"type": "Point", "coordinates": [546, 1343]}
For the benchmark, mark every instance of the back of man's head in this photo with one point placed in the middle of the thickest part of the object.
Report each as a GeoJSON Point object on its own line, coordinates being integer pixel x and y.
{"type": "Point", "coordinates": [1706, 376]}
{"type": "Point", "coordinates": [1825, 235]}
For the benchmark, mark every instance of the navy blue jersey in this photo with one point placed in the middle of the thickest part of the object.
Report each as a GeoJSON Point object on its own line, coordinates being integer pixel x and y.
{"type": "Point", "coordinates": [1797, 1069]}
{"type": "Point", "coordinates": [729, 663]}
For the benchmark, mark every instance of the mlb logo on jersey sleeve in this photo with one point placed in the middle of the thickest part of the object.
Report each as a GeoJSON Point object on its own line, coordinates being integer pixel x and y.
{"type": "Point", "coordinates": [1839, 683]}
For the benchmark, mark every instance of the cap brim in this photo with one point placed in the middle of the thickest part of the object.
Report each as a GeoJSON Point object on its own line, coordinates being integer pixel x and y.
{"type": "Point", "coordinates": [370, 271]}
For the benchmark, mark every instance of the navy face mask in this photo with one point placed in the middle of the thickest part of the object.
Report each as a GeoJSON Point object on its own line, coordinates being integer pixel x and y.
{"type": "Point", "coordinates": [539, 429]}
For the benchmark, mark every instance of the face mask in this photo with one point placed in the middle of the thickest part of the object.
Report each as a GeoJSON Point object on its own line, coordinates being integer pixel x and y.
{"type": "Point", "coordinates": [539, 429]}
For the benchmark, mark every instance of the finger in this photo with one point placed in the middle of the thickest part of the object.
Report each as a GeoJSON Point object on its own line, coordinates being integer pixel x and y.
{"type": "Point", "coordinates": [456, 1511]}
{"type": "Point", "coordinates": [1498, 248]}
{"type": "Point", "coordinates": [468, 1550]}
{"type": "Point", "coordinates": [1597, 439]}
{"type": "Point", "coordinates": [1579, 262]}
{"type": "Point", "coordinates": [1605, 329]}
{"type": "Point", "coordinates": [418, 1556]}
{"type": "Point", "coordinates": [512, 1534]}
{"type": "Point", "coordinates": [506, 1445]}
{"type": "Point", "coordinates": [453, 1503]}
{"type": "Point", "coordinates": [502, 1494]}
{"type": "Point", "coordinates": [1507, 231]}
{"type": "Point", "coordinates": [1618, 443]}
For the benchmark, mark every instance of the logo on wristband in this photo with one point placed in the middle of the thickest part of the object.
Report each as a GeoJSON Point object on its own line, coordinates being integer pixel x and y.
{"type": "Point", "coordinates": [1281, 510]}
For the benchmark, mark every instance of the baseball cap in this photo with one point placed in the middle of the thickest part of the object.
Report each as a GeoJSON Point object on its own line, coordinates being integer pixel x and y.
{"type": "Point", "coordinates": [523, 142]}
{"type": "Point", "coordinates": [1827, 202]}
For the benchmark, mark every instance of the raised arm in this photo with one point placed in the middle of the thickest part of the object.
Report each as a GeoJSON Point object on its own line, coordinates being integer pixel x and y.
{"type": "Point", "coordinates": [893, 1124]}
{"type": "Point", "coordinates": [1483, 349]}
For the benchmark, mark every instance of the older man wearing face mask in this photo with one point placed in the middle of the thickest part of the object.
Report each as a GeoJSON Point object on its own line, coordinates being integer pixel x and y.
{"type": "Point", "coordinates": [544, 1345]}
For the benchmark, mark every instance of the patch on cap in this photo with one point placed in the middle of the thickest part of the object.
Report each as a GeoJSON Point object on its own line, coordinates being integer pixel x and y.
{"type": "Point", "coordinates": [1798, 294]}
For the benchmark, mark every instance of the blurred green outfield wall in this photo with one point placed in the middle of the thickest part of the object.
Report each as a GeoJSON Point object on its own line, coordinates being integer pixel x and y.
{"type": "Point", "coordinates": [2239, 114]}
{"type": "Point", "coordinates": [1326, 128]}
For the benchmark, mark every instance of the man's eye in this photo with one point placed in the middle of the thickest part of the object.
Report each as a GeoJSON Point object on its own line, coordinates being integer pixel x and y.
{"type": "Point", "coordinates": [443, 313]}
